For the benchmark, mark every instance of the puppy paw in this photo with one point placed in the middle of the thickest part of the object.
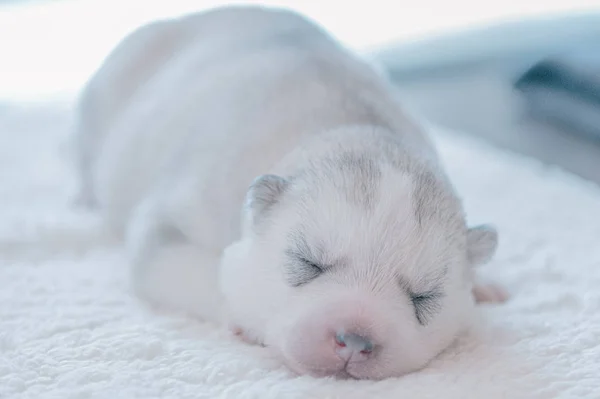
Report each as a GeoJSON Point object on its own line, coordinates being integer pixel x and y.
{"type": "Point", "coordinates": [243, 336]}
{"type": "Point", "coordinates": [489, 293]}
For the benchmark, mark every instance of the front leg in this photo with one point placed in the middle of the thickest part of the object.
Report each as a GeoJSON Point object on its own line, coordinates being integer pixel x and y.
{"type": "Point", "coordinates": [243, 335]}
{"type": "Point", "coordinates": [169, 270]}
{"type": "Point", "coordinates": [489, 293]}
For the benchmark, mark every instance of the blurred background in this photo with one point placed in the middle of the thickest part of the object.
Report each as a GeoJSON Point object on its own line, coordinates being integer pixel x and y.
{"type": "Point", "coordinates": [524, 74]}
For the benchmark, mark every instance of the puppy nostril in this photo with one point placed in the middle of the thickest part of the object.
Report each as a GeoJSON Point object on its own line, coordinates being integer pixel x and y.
{"type": "Point", "coordinates": [339, 339]}
{"type": "Point", "coordinates": [368, 347]}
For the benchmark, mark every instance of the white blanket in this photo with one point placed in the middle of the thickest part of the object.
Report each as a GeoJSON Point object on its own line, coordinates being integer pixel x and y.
{"type": "Point", "coordinates": [70, 328]}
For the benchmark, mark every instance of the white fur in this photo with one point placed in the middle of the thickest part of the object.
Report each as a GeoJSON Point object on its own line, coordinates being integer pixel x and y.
{"type": "Point", "coordinates": [185, 114]}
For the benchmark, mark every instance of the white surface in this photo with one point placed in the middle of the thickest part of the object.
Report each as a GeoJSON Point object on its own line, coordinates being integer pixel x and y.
{"type": "Point", "coordinates": [53, 46]}
{"type": "Point", "coordinates": [69, 327]}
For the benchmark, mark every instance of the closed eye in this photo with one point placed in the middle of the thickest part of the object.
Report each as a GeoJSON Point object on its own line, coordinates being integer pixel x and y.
{"type": "Point", "coordinates": [313, 265]}
{"type": "Point", "coordinates": [426, 305]}
{"type": "Point", "coordinates": [301, 269]}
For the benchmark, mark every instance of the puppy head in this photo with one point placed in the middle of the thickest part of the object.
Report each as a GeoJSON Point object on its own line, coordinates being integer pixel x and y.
{"type": "Point", "coordinates": [354, 267]}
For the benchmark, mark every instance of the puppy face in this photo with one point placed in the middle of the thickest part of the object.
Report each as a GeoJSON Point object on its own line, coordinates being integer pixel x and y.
{"type": "Point", "coordinates": [353, 268]}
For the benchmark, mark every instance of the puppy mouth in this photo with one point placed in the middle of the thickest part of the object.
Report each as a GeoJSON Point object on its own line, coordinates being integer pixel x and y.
{"type": "Point", "coordinates": [299, 369]}
{"type": "Point", "coordinates": [345, 374]}
{"type": "Point", "coordinates": [342, 373]}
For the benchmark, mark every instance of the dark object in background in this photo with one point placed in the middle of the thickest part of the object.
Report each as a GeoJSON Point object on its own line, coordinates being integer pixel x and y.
{"type": "Point", "coordinates": [565, 90]}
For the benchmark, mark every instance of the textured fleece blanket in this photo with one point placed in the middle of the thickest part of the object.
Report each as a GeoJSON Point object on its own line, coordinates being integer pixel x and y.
{"type": "Point", "coordinates": [70, 328]}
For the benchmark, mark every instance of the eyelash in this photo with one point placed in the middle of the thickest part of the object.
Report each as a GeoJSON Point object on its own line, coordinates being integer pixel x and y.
{"type": "Point", "coordinates": [425, 306]}
{"type": "Point", "coordinates": [317, 268]}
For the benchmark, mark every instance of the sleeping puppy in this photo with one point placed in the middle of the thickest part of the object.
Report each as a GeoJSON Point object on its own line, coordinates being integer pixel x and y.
{"type": "Point", "coordinates": [265, 178]}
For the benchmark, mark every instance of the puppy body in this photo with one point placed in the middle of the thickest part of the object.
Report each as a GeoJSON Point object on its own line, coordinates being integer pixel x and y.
{"type": "Point", "coordinates": [266, 178]}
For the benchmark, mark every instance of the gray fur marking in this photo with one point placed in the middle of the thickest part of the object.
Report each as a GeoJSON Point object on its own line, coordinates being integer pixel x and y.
{"type": "Point", "coordinates": [365, 177]}
{"type": "Point", "coordinates": [358, 181]}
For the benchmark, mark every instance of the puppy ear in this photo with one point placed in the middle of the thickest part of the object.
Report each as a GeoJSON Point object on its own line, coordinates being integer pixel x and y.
{"type": "Point", "coordinates": [265, 191]}
{"type": "Point", "coordinates": [482, 242]}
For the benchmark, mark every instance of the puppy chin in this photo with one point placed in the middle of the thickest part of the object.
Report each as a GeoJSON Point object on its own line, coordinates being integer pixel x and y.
{"type": "Point", "coordinates": [335, 370]}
